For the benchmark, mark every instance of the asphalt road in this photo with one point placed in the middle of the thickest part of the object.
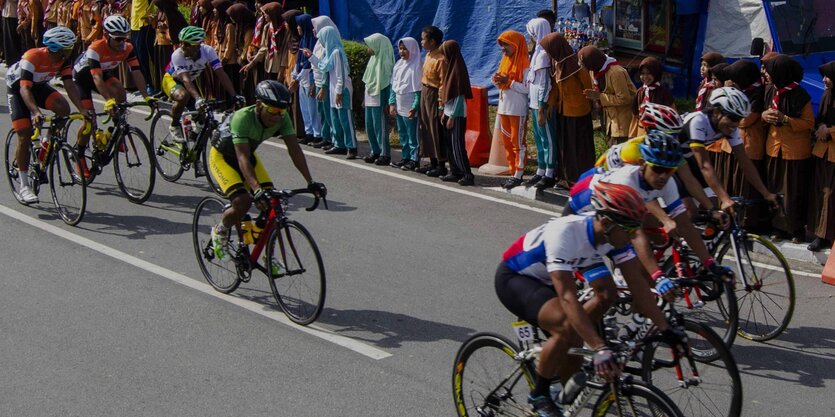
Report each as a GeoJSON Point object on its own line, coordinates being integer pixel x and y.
{"type": "Point", "coordinates": [113, 317]}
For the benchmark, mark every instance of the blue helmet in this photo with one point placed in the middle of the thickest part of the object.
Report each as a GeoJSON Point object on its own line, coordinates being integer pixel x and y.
{"type": "Point", "coordinates": [59, 38]}
{"type": "Point", "coordinates": [661, 149]}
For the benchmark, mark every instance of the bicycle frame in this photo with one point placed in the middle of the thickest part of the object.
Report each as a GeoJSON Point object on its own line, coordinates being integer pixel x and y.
{"type": "Point", "coordinates": [189, 154]}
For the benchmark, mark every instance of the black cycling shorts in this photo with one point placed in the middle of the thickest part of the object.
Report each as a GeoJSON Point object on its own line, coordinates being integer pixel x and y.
{"type": "Point", "coordinates": [44, 95]}
{"type": "Point", "coordinates": [84, 82]}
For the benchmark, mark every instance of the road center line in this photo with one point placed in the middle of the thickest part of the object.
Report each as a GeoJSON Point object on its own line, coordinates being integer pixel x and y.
{"type": "Point", "coordinates": [184, 280]}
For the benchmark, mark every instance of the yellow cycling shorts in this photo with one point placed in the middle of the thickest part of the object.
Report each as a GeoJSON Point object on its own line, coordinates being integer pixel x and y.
{"type": "Point", "coordinates": [229, 179]}
{"type": "Point", "coordinates": [169, 84]}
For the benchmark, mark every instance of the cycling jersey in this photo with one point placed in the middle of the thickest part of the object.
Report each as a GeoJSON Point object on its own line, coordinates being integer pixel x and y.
{"type": "Point", "coordinates": [36, 67]}
{"type": "Point", "coordinates": [631, 175]}
{"type": "Point", "coordinates": [99, 57]}
{"type": "Point", "coordinates": [180, 63]}
{"type": "Point", "coordinates": [698, 132]}
{"type": "Point", "coordinates": [245, 128]}
{"type": "Point", "coordinates": [626, 153]}
{"type": "Point", "coordinates": [563, 244]}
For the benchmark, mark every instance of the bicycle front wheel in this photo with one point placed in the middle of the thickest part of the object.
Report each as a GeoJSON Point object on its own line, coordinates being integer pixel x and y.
{"type": "Point", "coordinates": [764, 288]}
{"type": "Point", "coordinates": [166, 150]}
{"type": "Point", "coordinates": [68, 189]}
{"type": "Point", "coordinates": [222, 274]}
{"type": "Point", "coordinates": [635, 399]}
{"type": "Point", "coordinates": [134, 166]}
{"type": "Point", "coordinates": [719, 391]}
{"type": "Point", "coordinates": [487, 379]}
{"type": "Point", "coordinates": [299, 283]}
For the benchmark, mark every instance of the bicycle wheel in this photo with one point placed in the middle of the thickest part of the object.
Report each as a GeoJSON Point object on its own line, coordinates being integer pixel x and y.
{"type": "Point", "coordinates": [721, 314]}
{"type": "Point", "coordinates": [300, 287]}
{"type": "Point", "coordinates": [204, 158]}
{"type": "Point", "coordinates": [635, 398]}
{"type": "Point", "coordinates": [68, 189]}
{"type": "Point", "coordinates": [764, 288]}
{"type": "Point", "coordinates": [134, 166]}
{"type": "Point", "coordinates": [718, 394]}
{"type": "Point", "coordinates": [488, 381]}
{"type": "Point", "coordinates": [221, 274]}
{"type": "Point", "coordinates": [166, 150]}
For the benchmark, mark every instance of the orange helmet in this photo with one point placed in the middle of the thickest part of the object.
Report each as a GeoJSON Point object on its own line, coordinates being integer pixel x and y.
{"type": "Point", "coordinates": [620, 203]}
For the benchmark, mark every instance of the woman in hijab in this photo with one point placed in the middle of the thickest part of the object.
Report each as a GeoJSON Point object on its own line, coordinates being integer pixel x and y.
{"type": "Point", "coordinates": [544, 121]}
{"type": "Point", "coordinates": [273, 44]}
{"type": "Point", "coordinates": [293, 36]}
{"type": "Point", "coordinates": [320, 84]}
{"type": "Point", "coordinates": [615, 91]}
{"type": "Point", "coordinates": [513, 103]}
{"type": "Point", "coordinates": [302, 76]}
{"type": "Point", "coordinates": [706, 86]}
{"type": "Point", "coordinates": [453, 95]}
{"type": "Point", "coordinates": [720, 151]}
{"type": "Point", "coordinates": [788, 147]}
{"type": "Point", "coordinates": [377, 79]}
{"type": "Point", "coordinates": [822, 203]}
{"type": "Point", "coordinates": [575, 133]}
{"type": "Point", "coordinates": [405, 100]}
{"type": "Point", "coordinates": [651, 92]}
{"type": "Point", "coordinates": [242, 22]}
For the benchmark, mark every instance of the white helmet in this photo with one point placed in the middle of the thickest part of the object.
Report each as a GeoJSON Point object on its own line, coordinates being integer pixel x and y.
{"type": "Point", "coordinates": [655, 116]}
{"type": "Point", "coordinates": [116, 25]}
{"type": "Point", "coordinates": [730, 101]}
{"type": "Point", "coordinates": [59, 38]}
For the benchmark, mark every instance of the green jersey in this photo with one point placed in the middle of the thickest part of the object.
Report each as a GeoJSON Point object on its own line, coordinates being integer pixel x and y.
{"type": "Point", "coordinates": [246, 128]}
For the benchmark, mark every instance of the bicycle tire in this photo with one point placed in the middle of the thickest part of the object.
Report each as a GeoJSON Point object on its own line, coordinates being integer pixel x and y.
{"type": "Point", "coordinates": [756, 320]}
{"type": "Point", "coordinates": [134, 150]}
{"type": "Point", "coordinates": [165, 150]}
{"type": "Point", "coordinates": [12, 174]}
{"type": "Point", "coordinates": [68, 189]}
{"type": "Point", "coordinates": [298, 290]}
{"type": "Point", "coordinates": [204, 157]}
{"type": "Point", "coordinates": [720, 313]}
{"type": "Point", "coordinates": [651, 401]}
{"type": "Point", "coordinates": [475, 384]}
{"type": "Point", "coordinates": [719, 394]}
{"type": "Point", "coordinates": [222, 275]}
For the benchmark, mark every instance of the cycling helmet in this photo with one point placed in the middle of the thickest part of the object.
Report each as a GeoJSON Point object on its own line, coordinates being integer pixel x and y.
{"type": "Point", "coordinates": [192, 34]}
{"type": "Point", "coordinates": [661, 149]}
{"type": "Point", "coordinates": [660, 117]}
{"type": "Point", "coordinates": [273, 93]}
{"type": "Point", "coordinates": [58, 38]}
{"type": "Point", "coordinates": [620, 203]}
{"type": "Point", "coordinates": [116, 25]}
{"type": "Point", "coordinates": [730, 101]}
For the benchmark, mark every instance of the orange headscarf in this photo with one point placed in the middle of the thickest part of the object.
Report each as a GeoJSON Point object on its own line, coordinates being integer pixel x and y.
{"type": "Point", "coordinates": [514, 67]}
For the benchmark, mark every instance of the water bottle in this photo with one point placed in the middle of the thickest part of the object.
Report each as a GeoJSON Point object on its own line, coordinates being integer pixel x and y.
{"type": "Point", "coordinates": [247, 230]}
{"type": "Point", "coordinates": [556, 389]}
{"type": "Point", "coordinates": [196, 126]}
{"type": "Point", "coordinates": [101, 138]}
{"type": "Point", "coordinates": [572, 388]}
{"type": "Point", "coordinates": [187, 125]}
{"type": "Point", "coordinates": [44, 149]}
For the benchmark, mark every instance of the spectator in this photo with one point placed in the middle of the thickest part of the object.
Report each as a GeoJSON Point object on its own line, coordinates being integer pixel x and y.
{"type": "Point", "coordinates": [405, 101]}
{"type": "Point", "coordinates": [168, 24]}
{"type": "Point", "coordinates": [788, 147]}
{"type": "Point", "coordinates": [303, 76]}
{"type": "Point", "coordinates": [454, 94]}
{"type": "Point", "coordinates": [614, 90]}
{"type": "Point", "coordinates": [513, 103]}
{"type": "Point", "coordinates": [544, 120]}
{"type": "Point", "coordinates": [548, 15]}
{"type": "Point", "coordinates": [429, 122]}
{"type": "Point", "coordinates": [243, 22]}
{"type": "Point", "coordinates": [24, 24]}
{"type": "Point", "coordinates": [293, 50]}
{"type": "Point", "coordinates": [822, 203]}
{"type": "Point", "coordinates": [273, 44]}
{"type": "Point", "coordinates": [11, 37]}
{"type": "Point", "coordinates": [225, 38]}
{"type": "Point", "coordinates": [377, 79]}
{"type": "Point", "coordinates": [708, 60]}
{"type": "Point", "coordinates": [575, 133]}
{"type": "Point", "coordinates": [84, 13]}
{"type": "Point", "coordinates": [652, 91]}
{"type": "Point", "coordinates": [320, 80]}
{"type": "Point", "coordinates": [142, 38]}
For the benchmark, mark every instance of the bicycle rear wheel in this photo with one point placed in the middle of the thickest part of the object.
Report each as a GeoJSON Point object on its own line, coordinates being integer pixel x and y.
{"type": "Point", "coordinates": [166, 150]}
{"type": "Point", "coordinates": [134, 166]}
{"type": "Point", "coordinates": [634, 399]}
{"type": "Point", "coordinates": [718, 394]}
{"type": "Point", "coordinates": [299, 288]}
{"type": "Point", "coordinates": [488, 381]}
{"type": "Point", "coordinates": [221, 274]}
{"type": "Point", "coordinates": [68, 189]}
{"type": "Point", "coordinates": [765, 297]}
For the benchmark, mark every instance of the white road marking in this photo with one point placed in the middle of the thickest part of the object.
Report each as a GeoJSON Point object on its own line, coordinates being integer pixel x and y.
{"type": "Point", "coordinates": [774, 268]}
{"type": "Point", "coordinates": [181, 279]}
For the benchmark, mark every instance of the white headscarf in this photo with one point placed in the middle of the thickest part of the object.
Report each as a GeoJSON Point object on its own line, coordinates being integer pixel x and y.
{"type": "Point", "coordinates": [319, 23]}
{"type": "Point", "coordinates": [538, 28]}
{"type": "Point", "coordinates": [406, 75]}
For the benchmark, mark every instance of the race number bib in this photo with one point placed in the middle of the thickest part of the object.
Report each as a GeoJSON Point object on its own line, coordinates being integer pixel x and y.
{"type": "Point", "coordinates": [524, 331]}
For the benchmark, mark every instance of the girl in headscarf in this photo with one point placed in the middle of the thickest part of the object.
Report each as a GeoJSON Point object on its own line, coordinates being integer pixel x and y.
{"type": "Point", "coordinates": [720, 151]}
{"type": "Point", "coordinates": [242, 21]}
{"type": "Point", "coordinates": [292, 30]}
{"type": "Point", "coordinates": [708, 60]}
{"type": "Point", "coordinates": [302, 75]}
{"type": "Point", "coordinates": [788, 147]}
{"type": "Point", "coordinates": [575, 133]}
{"type": "Point", "coordinates": [253, 74]}
{"type": "Point", "coordinates": [822, 203]}
{"type": "Point", "coordinates": [453, 95]}
{"type": "Point", "coordinates": [614, 90]}
{"type": "Point", "coordinates": [404, 101]}
{"type": "Point", "coordinates": [226, 48]}
{"type": "Point", "coordinates": [320, 85]}
{"type": "Point", "coordinates": [335, 66]}
{"type": "Point", "coordinates": [544, 120]}
{"type": "Point", "coordinates": [651, 92]}
{"type": "Point", "coordinates": [513, 102]}
{"type": "Point", "coordinates": [377, 79]}
{"type": "Point", "coordinates": [273, 44]}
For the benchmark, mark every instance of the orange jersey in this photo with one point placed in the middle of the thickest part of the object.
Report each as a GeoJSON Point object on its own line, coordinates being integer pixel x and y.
{"type": "Point", "coordinates": [99, 57]}
{"type": "Point", "coordinates": [36, 67]}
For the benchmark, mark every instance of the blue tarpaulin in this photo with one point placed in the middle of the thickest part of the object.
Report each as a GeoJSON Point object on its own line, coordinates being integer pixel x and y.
{"type": "Point", "coordinates": [475, 24]}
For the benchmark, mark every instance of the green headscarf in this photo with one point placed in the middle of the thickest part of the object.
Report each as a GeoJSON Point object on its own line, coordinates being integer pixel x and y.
{"type": "Point", "coordinates": [378, 72]}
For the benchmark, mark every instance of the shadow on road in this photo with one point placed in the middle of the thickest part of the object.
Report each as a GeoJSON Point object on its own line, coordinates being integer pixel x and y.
{"type": "Point", "coordinates": [804, 355]}
{"type": "Point", "coordinates": [132, 226]}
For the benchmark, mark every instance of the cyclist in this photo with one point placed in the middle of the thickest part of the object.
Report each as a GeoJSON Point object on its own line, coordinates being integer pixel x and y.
{"type": "Point", "coordinates": [28, 87]}
{"type": "Point", "coordinates": [238, 169]}
{"type": "Point", "coordinates": [536, 282]}
{"type": "Point", "coordinates": [187, 63]}
{"type": "Point", "coordinates": [97, 70]}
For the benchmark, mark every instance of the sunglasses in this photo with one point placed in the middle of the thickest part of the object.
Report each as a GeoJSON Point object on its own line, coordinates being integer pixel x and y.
{"type": "Point", "coordinates": [628, 225]}
{"type": "Point", "coordinates": [119, 39]}
{"type": "Point", "coordinates": [733, 117]}
{"type": "Point", "coordinates": [273, 110]}
{"type": "Point", "coordinates": [658, 169]}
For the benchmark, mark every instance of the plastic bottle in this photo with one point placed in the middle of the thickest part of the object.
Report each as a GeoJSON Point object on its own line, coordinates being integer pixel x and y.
{"type": "Point", "coordinates": [101, 139]}
{"type": "Point", "coordinates": [44, 149]}
{"type": "Point", "coordinates": [196, 126]}
{"type": "Point", "coordinates": [187, 125]}
{"type": "Point", "coordinates": [572, 388]}
{"type": "Point", "coordinates": [247, 229]}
